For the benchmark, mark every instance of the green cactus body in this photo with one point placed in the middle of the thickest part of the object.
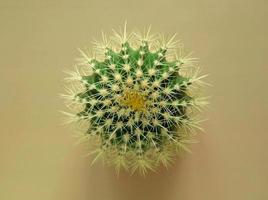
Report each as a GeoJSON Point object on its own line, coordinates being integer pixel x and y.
{"type": "Point", "coordinates": [136, 100]}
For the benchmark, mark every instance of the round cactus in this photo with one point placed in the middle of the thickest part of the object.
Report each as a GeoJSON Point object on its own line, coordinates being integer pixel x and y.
{"type": "Point", "coordinates": [137, 95]}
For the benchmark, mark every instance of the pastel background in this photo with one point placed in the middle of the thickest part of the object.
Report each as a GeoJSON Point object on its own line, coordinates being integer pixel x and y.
{"type": "Point", "coordinates": [38, 158]}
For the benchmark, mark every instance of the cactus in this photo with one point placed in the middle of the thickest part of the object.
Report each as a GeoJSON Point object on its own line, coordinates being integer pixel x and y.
{"type": "Point", "coordinates": [137, 95]}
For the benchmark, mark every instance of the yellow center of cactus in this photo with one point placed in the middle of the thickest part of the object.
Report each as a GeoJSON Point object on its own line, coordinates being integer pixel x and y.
{"type": "Point", "coordinates": [133, 99]}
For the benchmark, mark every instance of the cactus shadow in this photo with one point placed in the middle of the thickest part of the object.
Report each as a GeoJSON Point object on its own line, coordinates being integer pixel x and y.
{"type": "Point", "coordinates": [80, 181]}
{"type": "Point", "coordinates": [155, 185]}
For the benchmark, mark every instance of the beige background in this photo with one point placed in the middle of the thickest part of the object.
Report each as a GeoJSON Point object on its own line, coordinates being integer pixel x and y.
{"type": "Point", "coordinates": [39, 39]}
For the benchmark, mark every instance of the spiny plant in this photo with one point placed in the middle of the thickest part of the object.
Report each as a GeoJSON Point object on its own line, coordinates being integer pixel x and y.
{"type": "Point", "coordinates": [137, 95]}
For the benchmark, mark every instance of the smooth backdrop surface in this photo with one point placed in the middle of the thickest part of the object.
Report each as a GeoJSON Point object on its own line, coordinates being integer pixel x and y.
{"type": "Point", "coordinates": [39, 39]}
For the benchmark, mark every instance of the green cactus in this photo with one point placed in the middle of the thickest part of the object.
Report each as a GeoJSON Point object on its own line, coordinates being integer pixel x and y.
{"type": "Point", "coordinates": [138, 96]}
